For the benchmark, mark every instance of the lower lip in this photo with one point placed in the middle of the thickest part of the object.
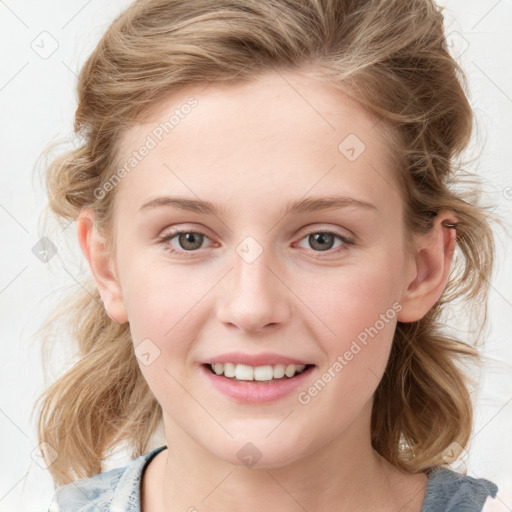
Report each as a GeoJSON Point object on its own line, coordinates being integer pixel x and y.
{"type": "Point", "coordinates": [257, 392]}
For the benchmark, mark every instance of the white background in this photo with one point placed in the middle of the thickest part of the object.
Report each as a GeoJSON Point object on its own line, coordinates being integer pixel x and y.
{"type": "Point", "coordinates": [37, 101]}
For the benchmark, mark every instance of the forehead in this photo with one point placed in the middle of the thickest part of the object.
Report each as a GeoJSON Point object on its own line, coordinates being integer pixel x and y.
{"type": "Point", "coordinates": [283, 133]}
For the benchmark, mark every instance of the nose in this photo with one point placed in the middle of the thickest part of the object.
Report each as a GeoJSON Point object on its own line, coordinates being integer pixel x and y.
{"type": "Point", "coordinates": [253, 297]}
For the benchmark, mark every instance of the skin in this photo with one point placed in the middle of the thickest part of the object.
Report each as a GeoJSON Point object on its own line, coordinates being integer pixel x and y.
{"type": "Point", "coordinates": [251, 148]}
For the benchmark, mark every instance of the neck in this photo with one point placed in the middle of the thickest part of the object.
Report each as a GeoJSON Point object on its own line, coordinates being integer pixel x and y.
{"type": "Point", "coordinates": [345, 474]}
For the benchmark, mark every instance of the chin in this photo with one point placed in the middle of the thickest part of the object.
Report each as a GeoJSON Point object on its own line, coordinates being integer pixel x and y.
{"type": "Point", "coordinates": [260, 453]}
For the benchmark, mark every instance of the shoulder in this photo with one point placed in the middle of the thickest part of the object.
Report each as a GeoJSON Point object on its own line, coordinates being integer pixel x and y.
{"type": "Point", "coordinates": [449, 491]}
{"type": "Point", "coordinates": [116, 489]}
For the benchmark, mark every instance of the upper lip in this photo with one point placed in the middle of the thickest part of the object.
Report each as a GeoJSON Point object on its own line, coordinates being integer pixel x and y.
{"type": "Point", "coordinates": [261, 359]}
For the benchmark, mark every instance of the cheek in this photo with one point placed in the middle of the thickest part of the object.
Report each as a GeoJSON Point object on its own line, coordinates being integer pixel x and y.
{"type": "Point", "coordinates": [164, 307]}
{"type": "Point", "coordinates": [167, 309]}
{"type": "Point", "coordinates": [358, 312]}
{"type": "Point", "coordinates": [359, 316]}
{"type": "Point", "coordinates": [158, 297]}
{"type": "Point", "coordinates": [350, 300]}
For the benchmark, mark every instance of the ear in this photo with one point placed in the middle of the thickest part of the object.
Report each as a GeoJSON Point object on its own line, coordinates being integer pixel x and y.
{"type": "Point", "coordinates": [94, 247]}
{"type": "Point", "coordinates": [430, 265]}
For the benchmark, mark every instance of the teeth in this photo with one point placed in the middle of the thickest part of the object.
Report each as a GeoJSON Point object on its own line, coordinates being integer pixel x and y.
{"type": "Point", "coordinates": [279, 371]}
{"type": "Point", "coordinates": [244, 372]}
{"type": "Point", "coordinates": [259, 373]}
{"type": "Point", "coordinates": [263, 373]}
{"type": "Point", "coordinates": [229, 370]}
{"type": "Point", "coordinates": [290, 370]}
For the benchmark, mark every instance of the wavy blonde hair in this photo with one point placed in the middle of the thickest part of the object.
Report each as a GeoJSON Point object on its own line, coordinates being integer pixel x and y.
{"type": "Point", "coordinates": [391, 56]}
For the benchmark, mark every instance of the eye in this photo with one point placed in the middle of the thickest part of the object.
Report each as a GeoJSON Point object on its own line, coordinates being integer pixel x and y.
{"type": "Point", "coordinates": [188, 241]}
{"type": "Point", "coordinates": [322, 241]}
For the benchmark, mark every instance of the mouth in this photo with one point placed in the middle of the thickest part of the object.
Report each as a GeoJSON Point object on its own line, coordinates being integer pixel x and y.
{"type": "Point", "coordinates": [258, 374]}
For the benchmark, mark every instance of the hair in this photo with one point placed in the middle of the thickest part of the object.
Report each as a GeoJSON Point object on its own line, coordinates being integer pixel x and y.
{"type": "Point", "coordinates": [391, 56]}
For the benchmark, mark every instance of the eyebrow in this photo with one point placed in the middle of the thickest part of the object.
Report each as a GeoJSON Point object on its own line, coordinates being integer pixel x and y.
{"type": "Point", "coordinates": [306, 205]}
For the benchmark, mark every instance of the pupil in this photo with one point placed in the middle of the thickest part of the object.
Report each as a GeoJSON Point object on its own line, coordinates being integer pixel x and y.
{"type": "Point", "coordinates": [188, 238]}
{"type": "Point", "coordinates": [321, 238]}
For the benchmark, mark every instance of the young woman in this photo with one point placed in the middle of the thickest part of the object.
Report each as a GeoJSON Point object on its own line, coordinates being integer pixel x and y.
{"type": "Point", "coordinates": [264, 193]}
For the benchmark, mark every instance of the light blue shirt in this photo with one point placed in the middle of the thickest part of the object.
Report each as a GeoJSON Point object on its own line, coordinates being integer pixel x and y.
{"type": "Point", "coordinates": [118, 490]}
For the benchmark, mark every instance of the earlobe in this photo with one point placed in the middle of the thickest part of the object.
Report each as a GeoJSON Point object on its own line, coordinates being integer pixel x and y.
{"type": "Point", "coordinates": [95, 250]}
{"type": "Point", "coordinates": [432, 261]}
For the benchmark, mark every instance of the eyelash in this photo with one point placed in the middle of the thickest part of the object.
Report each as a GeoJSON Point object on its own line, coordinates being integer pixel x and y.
{"type": "Point", "coordinates": [167, 238]}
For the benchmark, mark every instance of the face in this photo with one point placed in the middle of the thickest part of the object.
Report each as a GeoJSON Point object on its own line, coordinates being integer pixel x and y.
{"type": "Point", "coordinates": [291, 252]}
